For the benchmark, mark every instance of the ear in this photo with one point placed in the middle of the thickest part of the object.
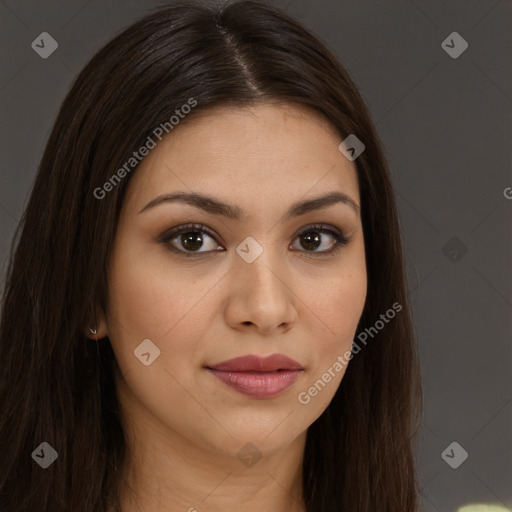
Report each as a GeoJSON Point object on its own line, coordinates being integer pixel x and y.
{"type": "Point", "coordinates": [98, 324]}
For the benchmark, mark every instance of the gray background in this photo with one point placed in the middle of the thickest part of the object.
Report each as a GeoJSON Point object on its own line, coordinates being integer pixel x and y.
{"type": "Point", "coordinates": [445, 125]}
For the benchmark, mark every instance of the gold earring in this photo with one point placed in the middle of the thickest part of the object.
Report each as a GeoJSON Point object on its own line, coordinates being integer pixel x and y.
{"type": "Point", "coordinates": [93, 331]}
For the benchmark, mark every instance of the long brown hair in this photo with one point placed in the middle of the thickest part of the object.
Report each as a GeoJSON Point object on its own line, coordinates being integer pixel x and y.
{"type": "Point", "coordinates": [57, 386]}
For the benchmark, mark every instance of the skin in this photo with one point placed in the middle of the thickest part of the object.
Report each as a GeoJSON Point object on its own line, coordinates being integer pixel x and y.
{"type": "Point", "coordinates": [184, 426]}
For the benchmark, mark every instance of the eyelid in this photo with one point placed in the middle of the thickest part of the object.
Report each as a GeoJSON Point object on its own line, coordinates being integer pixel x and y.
{"type": "Point", "coordinates": [173, 232]}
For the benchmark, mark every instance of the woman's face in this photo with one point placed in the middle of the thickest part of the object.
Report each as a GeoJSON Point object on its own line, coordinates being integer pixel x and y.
{"type": "Point", "coordinates": [257, 281]}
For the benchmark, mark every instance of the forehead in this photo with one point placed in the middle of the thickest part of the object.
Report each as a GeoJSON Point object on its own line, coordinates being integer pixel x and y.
{"type": "Point", "coordinates": [251, 154]}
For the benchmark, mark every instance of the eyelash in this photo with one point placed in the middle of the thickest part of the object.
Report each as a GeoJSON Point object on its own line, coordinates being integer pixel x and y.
{"type": "Point", "coordinates": [340, 239]}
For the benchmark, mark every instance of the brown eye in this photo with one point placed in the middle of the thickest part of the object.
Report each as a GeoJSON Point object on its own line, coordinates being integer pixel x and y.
{"type": "Point", "coordinates": [190, 239]}
{"type": "Point", "coordinates": [314, 237]}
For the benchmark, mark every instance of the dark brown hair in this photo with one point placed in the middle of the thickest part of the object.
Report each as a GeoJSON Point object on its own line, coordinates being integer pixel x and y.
{"type": "Point", "coordinates": [57, 386]}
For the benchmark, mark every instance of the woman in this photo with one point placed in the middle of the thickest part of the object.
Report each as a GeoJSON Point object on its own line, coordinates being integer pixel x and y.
{"type": "Point", "coordinates": [206, 306]}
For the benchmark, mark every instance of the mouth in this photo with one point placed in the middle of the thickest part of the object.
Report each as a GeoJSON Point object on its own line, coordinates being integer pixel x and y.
{"type": "Point", "coordinates": [258, 377]}
{"type": "Point", "coordinates": [258, 384]}
{"type": "Point", "coordinates": [257, 363]}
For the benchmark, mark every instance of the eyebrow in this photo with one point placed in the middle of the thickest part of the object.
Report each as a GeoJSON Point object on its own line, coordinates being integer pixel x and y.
{"type": "Point", "coordinates": [216, 207]}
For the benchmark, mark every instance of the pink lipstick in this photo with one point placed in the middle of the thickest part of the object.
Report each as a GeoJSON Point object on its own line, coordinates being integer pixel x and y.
{"type": "Point", "coordinates": [256, 376]}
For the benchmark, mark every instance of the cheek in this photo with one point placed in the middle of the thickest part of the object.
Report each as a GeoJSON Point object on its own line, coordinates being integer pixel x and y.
{"type": "Point", "coordinates": [337, 301]}
{"type": "Point", "coordinates": [149, 294]}
{"type": "Point", "coordinates": [139, 301]}
{"type": "Point", "coordinates": [335, 308]}
{"type": "Point", "coordinates": [149, 298]}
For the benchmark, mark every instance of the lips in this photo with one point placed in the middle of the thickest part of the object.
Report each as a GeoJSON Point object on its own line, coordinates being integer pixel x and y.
{"type": "Point", "coordinates": [255, 363]}
{"type": "Point", "coordinates": [258, 377]}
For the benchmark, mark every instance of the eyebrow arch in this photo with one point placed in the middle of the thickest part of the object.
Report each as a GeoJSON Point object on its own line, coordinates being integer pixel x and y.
{"type": "Point", "coordinates": [214, 206]}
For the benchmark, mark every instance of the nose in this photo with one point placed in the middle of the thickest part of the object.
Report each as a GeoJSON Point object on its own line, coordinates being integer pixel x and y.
{"type": "Point", "coordinates": [261, 295]}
